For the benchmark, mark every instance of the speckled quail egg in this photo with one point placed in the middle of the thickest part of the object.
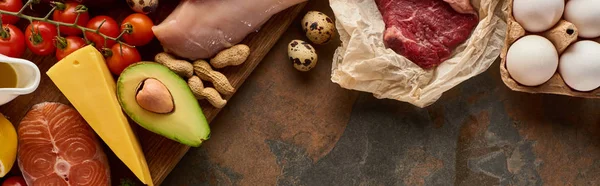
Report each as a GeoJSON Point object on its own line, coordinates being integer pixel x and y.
{"type": "Point", "coordinates": [319, 28]}
{"type": "Point", "coordinates": [303, 55]}
{"type": "Point", "coordinates": [143, 6]}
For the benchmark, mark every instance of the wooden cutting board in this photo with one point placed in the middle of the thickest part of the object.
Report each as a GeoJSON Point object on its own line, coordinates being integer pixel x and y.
{"type": "Point", "coordinates": [161, 153]}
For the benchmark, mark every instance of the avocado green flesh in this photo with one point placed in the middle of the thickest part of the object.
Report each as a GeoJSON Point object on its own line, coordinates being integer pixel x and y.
{"type": "Point", "coordinates": [186, 124]}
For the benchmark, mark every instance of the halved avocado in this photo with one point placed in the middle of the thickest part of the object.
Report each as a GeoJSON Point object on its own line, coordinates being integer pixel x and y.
{"type": "Point", "coordinates": [186, 124]}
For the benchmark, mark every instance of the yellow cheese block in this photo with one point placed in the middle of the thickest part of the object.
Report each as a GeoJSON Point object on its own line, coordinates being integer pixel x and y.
{"type": "Point", "coordinates": [85, 80]}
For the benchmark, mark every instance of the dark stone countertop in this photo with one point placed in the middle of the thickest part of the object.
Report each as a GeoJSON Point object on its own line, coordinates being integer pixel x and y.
{"type": "Point", "coordinates": [289, 128]}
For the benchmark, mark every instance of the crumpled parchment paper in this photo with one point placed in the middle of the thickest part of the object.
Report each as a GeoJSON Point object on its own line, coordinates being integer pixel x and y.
{"type": "Point", "coordinates": [364, 63]}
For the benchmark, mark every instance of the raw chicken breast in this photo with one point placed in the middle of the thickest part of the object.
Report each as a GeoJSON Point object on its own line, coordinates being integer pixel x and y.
{"type": "Point", "coordinates": [57, 147]}
{"type": "Point", "coordinates": [201, 28]}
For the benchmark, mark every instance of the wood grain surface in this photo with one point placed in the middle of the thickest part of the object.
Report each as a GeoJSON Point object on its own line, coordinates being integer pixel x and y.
{"type": "Point", "coordinates": [161, 153]}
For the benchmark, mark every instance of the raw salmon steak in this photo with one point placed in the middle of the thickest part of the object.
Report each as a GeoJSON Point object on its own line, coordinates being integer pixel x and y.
{"type": "Point", "coordinates": [57, 147]}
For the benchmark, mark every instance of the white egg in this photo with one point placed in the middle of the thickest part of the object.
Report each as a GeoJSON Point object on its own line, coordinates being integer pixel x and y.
{"type": "Point", "coordinates": [585, 15]}
{"type": "Point", "coordinates": [580, 66]}
{"type": "Point", "coordinates": [532, 60]}
{"type": "Point", "coordinates": [538, 15]}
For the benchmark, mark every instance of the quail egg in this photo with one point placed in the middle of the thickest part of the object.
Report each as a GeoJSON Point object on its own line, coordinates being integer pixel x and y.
{"type": "Point", "coordinates": [143, 6]}
{"type": "Point", "coordinates": [319, 28]}
{"type": "Point", "coordinates": [303, 55]}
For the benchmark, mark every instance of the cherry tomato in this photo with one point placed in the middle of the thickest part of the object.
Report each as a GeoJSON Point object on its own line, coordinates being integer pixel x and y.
{"type": "Point", "coordinates": [40, 38]}
{"type": "Point", "coordinates": [138, 29]}
{"type": "Point", "coordinates": [122, 57]}
{"type": "Point", "coordinates": [68, 45]}
{"type": "Point", "coordinates": [14, 181]}
{"type": "Point", "coordinates": [68, 15]}
{"type": "Point", "coordinates": [13, 6]}
{"type": "Point", "coordinates": [12, 41]}
{"type": "Point", "coordinates": [109, 28]}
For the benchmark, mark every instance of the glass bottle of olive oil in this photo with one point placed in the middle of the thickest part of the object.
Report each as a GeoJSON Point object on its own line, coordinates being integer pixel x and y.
{"type": "Point", "coordinates": [8, 76]}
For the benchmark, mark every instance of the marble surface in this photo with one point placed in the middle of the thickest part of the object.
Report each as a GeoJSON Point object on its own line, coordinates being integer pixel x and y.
{"type": "Point", "coordinates": [285, 127]}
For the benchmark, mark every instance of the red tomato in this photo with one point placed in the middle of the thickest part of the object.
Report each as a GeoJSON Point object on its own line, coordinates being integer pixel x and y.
{"type": "Point", "coordinates": [40, 38]}
{"type": "Point", "coordinates": [68, 15]}
{"type": "Point", "coordinates": [122, 57]}
{"type": "Point", "coordinates": [68, 45]}
{"type": "Point", "coordinates": [13, 6]}
{"type": "Point", "coordinates": [12, 41]}
{"type": "Point", "coordinates": [14, 181]}
{"type": "Point", "coordinates": [109, 28]}
{"type": "Point", "coordinates": [138, 29]}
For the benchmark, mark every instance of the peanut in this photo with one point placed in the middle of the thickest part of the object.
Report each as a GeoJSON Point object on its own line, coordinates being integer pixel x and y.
{"type": "Point", "coordinates": [210, 94]}
{"type": "Point", "coordinates": [155, 97]}
{"type": "Point", "coordinates": [206, 73]}
{"type": "Point", "coordinates": [180, 67]}
{"type": "Point", "coordinates": [233, 56]}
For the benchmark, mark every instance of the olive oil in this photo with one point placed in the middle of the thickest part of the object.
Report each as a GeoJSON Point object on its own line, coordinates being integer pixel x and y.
{"type": "Point", "coordinates": [8, 76]}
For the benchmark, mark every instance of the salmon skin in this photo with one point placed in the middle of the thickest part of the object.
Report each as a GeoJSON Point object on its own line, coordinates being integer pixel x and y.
{"type": "Point", "coordinates": [57, 147]}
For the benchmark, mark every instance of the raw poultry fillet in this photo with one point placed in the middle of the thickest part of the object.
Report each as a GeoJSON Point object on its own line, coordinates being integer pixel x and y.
{"type": "Point", "coordinates": [201, 28]}
{"type": "Point", "coordinates": [57, 147]}
{"type": "Point", "coordinates": [426, 31]}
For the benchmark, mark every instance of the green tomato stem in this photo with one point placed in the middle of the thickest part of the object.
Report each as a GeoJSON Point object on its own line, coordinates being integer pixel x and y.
{"type": "Point", "coordinates": [100, 26]}
{"type": "Point", "coordinates": [49, 13]}
{"type": "Point", "coordinates": [59, 5]}
{"type": "Point", "coordinates": [121, 34]}
{"type": "Point", "coordinates": [56, 23]}
{"type": "Point", "coordinates": [4, 33]}
{"type": "Point", "coordinates": [36, 38]}
{"type": "Point", "coordinates": [61, 42]}
{"type": "Point", "coordinates": [106, 52]}
{"type": "Point", "coordinates": [81, 9]}
{"type": "Point", "coordinates": [25, 6]}
{"type": "Point", "coordinates": [128, 28]}
{"type": "Point", "coordinates": [76, 19]}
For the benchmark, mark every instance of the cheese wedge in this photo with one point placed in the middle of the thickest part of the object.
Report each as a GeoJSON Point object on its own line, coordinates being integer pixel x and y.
{"type": "Point", "coordinates": [85, 80]}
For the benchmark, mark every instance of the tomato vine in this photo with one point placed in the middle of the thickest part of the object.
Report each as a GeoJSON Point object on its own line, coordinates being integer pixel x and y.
{"type": "Point", "coordinates": [57, 5]}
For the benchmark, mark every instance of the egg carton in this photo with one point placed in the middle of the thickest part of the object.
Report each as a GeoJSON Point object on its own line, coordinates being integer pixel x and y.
{"type": "Point", "coordinates": [561, 35]}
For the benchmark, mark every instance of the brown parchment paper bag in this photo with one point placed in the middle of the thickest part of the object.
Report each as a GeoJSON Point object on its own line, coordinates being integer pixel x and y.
{"type": "Point", "coordinates": [363, 62]}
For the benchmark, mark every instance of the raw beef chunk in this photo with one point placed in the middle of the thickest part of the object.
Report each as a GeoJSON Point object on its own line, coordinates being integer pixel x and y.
{"type": "Point", "coordinates": [425, 31]}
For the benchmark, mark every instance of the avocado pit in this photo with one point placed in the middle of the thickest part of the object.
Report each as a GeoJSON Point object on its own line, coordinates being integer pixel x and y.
{"type": "Point", "coordinates": [154, 96]}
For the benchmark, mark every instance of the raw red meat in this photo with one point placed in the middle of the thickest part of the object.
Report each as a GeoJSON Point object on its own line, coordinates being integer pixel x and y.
{"type": "Point", "coordinates": [57, 147]}
{"type": "Point", "coordinates": [425, 31]}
